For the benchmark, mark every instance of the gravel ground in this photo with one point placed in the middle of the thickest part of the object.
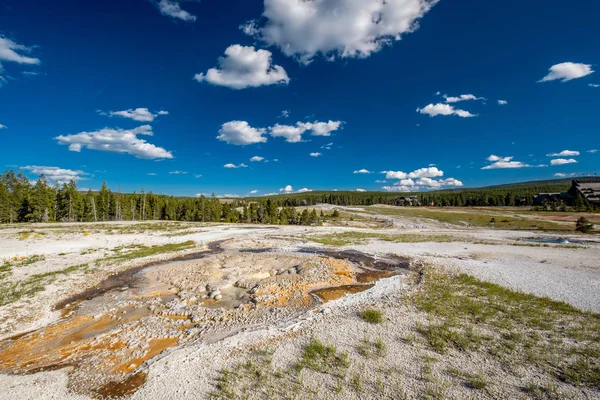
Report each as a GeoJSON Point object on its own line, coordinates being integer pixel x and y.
{"type": "Point", "coordinates": [566, 274]}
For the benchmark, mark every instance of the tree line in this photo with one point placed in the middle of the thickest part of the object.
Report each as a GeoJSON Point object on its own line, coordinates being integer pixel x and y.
{"type": "Point", "coordinates": [24, 201]}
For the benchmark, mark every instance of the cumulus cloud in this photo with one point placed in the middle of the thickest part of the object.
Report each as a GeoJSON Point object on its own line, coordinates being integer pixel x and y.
{"type": "Point", "coordinates": [256, 159]}
{"type": "Point", "coordinates": [563, 161]}
{"type": "Point", "coordinates": [462, 97]}
{"type": "Point", "coordinates": [293, 133]}
{"type": "Point", "coordinates": [360, 190]}
{"type": "Point", "coordinates": [285, 114]}
{"type": "Point", "coordinates": [138, 114]}
{"type": "Point", "coordinates": [3, 126]}
{"type": "Point", "coordinates": [419, 179]}
{"type": "Point", "coordinates": [429, 172]}
{"type": "Point", "coordinates": [321, 128]}
{"type": "Point", "coordinates": [56, 174]}
{"type": "Point", "coordinates": [593, 151]}
{"type": "Point", "coordinates": [243, 67]}
{"type": "Point", "coordinates": [316, 154]}
{"type": "Point", "coordinates": [178, 173]}
{"type": "Point", "coordinates": [151, 174]}
{"type": "Point", "coordinates": [197, 176]}
{"type": "Point", "coordinates": [502, 102]}
{"type": "Point", "coordinates": [564, 153]}
{"type": "Point", "coordinates": [363, 171]}
{"type": "Point", "coordinates": [173, 9]}
{"type": "Point", "coordinates": [230, 165]}
{"type": "Point", "coordinates": [254, 191]}
{"type": "Point", "coordinates": [336, 28]}
{"type": "Point", "coordinates": [563, 175]}
{"type": "Point", "coordinates": [287, 189]}
{"type": "Point", "coordinates": [240, 133]}
{"type": "Point", "coordinates": [567, 71]}
{"type": "Point", "coordinates": [433, 110]}
{"type": "Point", "coordinates": [594, 85]}
{"type": "Point", "coordinates": [304, 190]}
{"type": "Point", "coordinates": [123, 141]}
{"type": "Point", "coordinates": [504, 163]}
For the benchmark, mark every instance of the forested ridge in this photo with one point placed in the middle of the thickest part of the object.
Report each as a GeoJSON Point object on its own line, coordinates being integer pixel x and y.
{"type": "Point", "coordinates": [24, 201]}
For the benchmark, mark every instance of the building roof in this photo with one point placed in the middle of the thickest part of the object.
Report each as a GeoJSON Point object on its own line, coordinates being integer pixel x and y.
{"type": "Point", "coordinates": [590, 190]}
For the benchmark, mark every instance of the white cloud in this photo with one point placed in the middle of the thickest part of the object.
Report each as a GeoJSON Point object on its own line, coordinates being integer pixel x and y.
{"type": "Point", "coordinates": [256, 159]}
{"type": "Point", "coordinates": [121, 141]}
{"type": "Point", "coordinates": [321, 128]}
{"type": "Point", "coordinates": [594, 85]}
{"type": "Point", "coordinates": [462, 97]}
{"type": "Point", "coordinates": [363, 171]}
{"type": "Point", "coordinates": [336, 28]}
{"type": "Point", "coordinates": [138, 114]}
{"type": "Point", "coordinates": [254, 191]}
{"type": "Point", "coordinates": [593, 151]}
{"type": "Point", "coordinates": [563, 175]}
{"type": "Point", "coordinates": [9, 51]}
{"type": "Point", "coordinates": [567, 71]}
{"type": "Point", "coordinates": [327, 146]}
{"type": "Point", "coordinates": [285, 114]}
{"type": "Point", "coordinates": [3, 126]}
{"type": "Point", "coordinates": [151, 174]}
{"type": "Point", "coordinates": [304, 190]}
{"type": "Point", "coordinates": [240, 133]}
{"type": "Point", "coordinates": [563, 161]}
{"type": "Point", "coordinates": [197, 176]}
{"type": "Point", "coordinates": [316, 154]}
{"type": "Point", "coordinates": [564, 153]}
{"type": "Point", "coordinates": [178, 173]}
{"type": "Point", "coordinates": [173, 9]}
{"type": "Point", "coordinates": [502, 102]}
{"type": "Point", "coordinates": [504, 163]}
{"type": "Point", "coordinates": [451, 182]}
{"type": "Point", "coordinates": [56, 174]}
{"type": "Point", "coordinates": [418, 179]}
{"type": "Point", "coordinates": [430, 172]}
{"type": "Point", "coordinates": [397, 188]}
{"type": "Point", "coordinates": [244, 67]}
{"type": "Point", "coordinates": [293, 133]}
{"type": "Point", "coordinates": [360, 190]}
{"type": "Point", "coordinates": [287, 189]}
{"type": "Point", "coordinates": [434, 110]}
{"type": "Point", "coordinates": [230, 165]}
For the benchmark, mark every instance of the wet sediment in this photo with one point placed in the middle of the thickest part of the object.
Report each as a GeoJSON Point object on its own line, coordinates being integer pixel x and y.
{"type": "Point", "coordinates": [136, 324]}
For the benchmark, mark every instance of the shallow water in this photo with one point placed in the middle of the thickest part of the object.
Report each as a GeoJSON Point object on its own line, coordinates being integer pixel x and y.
{"type": "Point", "coordinates": [80, 340]}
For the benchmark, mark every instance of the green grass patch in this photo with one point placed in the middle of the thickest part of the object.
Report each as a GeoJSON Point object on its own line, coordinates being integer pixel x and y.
{"type": "Point", "coordinates": [323, 358]}
{"type": "Point", "coordinates": [372, 316]}
{"type": "Point", "coordinates": [146, 251]}
{"type": "Point", "coordinates": [11, 292]}
{"type": "Point", "coordinates": [475, 217]}
{"type": "Point", "coordinates": [345, 238]}
{"type": "Point", "coordinates": [469, 315]}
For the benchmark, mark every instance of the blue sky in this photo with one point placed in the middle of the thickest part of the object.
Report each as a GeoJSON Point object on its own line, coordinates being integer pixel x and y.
{"type": "Point", "coordinates": [134, 93]}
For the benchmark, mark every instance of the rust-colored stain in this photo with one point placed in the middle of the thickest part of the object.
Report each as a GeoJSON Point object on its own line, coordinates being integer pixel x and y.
{"type": "Point", "coordinates": [89, 343]}
{"type": "Point", "coordinates": [334, 293]}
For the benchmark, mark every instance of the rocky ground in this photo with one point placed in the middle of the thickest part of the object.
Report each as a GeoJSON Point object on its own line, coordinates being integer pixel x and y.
{"type": "Point", "coordinates": [175, 310]}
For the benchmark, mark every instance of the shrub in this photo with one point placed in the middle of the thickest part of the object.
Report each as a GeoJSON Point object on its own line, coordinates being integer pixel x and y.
{"type": "Point", "coordinates": [583, 225]}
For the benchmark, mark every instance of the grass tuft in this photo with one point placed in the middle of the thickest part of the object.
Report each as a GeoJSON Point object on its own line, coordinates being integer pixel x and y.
{"type": "Point", "coordinates": [372, 316]}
